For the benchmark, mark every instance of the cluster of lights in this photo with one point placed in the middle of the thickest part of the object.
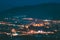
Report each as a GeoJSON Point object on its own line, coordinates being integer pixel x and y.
{"type": "Point", "coordinates": [46, 22]}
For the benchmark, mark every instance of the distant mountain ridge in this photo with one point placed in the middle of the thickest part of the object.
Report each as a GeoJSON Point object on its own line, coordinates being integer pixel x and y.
{"type": "Point", "coordinates": [39, 11]}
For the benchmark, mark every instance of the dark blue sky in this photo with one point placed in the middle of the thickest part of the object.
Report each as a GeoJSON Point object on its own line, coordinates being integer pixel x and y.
{"type": "Point", "coordinates": [6, 4]}
{"type": "Point", "coordinates": [8, 7]}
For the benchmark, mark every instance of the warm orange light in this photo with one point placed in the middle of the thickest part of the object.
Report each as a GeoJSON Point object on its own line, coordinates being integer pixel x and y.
{"type": "Point", "coordinates": [13, 30]}
{"type": "Point", "coordinates": [38, 25]}
{"type": "Point", "coordinates": [27, 26]}
{"type": "Point", "coordinates": [46, 23]}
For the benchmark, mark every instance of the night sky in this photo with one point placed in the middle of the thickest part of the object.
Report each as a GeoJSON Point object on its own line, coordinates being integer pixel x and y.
{"type": "Point", "coordinates": [34, 8]}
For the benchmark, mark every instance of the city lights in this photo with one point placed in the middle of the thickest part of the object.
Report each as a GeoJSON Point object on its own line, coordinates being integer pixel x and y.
{"type": "Point", "coordinates": [29, 26]}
